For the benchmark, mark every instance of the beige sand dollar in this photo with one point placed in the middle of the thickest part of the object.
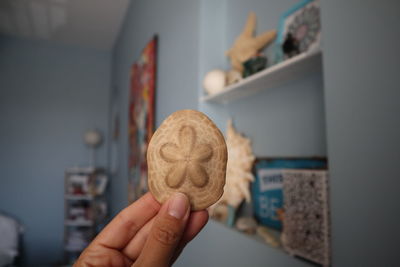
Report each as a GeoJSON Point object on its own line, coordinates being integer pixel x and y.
{"type": "Point", "coordinates": [187, 154]}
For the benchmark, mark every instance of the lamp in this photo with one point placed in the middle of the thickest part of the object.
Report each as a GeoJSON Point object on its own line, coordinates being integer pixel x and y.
{"type": "Point", "coordinates": [93, 139]}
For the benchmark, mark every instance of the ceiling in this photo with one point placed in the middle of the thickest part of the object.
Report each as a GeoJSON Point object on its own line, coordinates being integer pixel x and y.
{"type": "Point", "coordinates": [89, 23]}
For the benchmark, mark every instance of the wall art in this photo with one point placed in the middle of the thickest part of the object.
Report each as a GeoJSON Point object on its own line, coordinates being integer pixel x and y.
{"type": "Point", "coordinates": [141, 117]}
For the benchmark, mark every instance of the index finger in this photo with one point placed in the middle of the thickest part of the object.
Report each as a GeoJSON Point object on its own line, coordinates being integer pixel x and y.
{"type": "Point", "coordinates": [128, 222]}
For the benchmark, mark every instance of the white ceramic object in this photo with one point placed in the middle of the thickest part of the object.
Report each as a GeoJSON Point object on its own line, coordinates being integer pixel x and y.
{"type": "Point", "coordinates": [92, 138]}
{"type": "Point", "coordinates": [214, 81]}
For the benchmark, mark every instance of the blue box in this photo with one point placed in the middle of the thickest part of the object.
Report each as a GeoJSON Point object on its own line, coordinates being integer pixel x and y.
{"type": "Point", "coordinates": [267, 189]}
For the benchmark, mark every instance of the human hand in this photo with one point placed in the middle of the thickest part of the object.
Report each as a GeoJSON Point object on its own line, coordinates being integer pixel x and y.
{"type": "Point", "coordinates": [145, 234]}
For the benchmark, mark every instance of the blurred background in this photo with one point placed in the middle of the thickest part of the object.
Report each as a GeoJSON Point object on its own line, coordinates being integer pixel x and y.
{"type": "Point", "coordinates": [65, 77]}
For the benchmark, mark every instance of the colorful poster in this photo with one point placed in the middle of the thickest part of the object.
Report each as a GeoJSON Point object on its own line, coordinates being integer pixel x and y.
{"type": "Point", "coordinates": [141, 118]}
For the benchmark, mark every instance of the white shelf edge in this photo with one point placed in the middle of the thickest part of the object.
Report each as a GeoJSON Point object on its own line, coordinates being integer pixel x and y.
{"type": "Point", "coordinates": [239, 90]}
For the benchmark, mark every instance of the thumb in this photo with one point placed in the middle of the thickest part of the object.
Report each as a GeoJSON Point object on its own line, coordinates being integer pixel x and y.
{"type": "Point", "coordinates": [166, 232]}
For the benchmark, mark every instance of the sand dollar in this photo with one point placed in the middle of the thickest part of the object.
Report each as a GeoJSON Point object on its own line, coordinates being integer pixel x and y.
{"type": "Point", "coordinates": [187, 154]}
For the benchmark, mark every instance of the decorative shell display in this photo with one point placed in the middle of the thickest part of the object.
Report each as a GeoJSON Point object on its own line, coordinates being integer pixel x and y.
{"type": "Point", "coordinates": [214, 81]}
{"type": "Point", "coordinates": [238, 171]}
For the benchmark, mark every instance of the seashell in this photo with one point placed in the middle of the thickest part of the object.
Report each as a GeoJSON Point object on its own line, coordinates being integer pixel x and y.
{"type": "Point", "coordinates": [214, 81]}
{"type": "Point", "coordinates": [233, 76]}
{"type": "Point", "coordinates": [219, 212]}
{"type": "Point", "coordinates": [238, 173]}
{"type": "Point", "coordinates": [247, 225]}
{"type": "Point", "coordinates": [187, 154]}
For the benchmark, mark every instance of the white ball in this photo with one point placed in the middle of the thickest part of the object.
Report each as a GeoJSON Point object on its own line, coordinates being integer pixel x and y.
{"type": "Point", "coordinates": [92, 138]}
{"type": "Point", "coordinates": [214, 81]}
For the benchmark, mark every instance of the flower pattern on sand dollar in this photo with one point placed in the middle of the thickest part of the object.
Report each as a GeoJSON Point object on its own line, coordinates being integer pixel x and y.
{"type": "Point", "coordinates": [186, 159]}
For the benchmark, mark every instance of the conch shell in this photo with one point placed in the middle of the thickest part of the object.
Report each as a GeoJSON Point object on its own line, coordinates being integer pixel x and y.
{"type": "Point", "coordinates": [238, 172]}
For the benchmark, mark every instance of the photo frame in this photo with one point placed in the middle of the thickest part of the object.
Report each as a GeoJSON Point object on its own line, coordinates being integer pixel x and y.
{"type": "Point", "coordinates": [303, 22]}
{"type": "Point", "coordinates": [141, 117]}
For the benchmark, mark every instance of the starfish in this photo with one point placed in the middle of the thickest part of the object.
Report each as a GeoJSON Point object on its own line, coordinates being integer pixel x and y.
{"type": "Point", "coordinates": [186, 158]}
{"type": "Point", "coordinates": [246, 45]}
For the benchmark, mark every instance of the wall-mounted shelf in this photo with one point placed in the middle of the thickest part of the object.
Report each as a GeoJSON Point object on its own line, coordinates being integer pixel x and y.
{"type": "Point", "coordinates": [85, 206]}
{"type": "Point", "coordinates": [273, 76]}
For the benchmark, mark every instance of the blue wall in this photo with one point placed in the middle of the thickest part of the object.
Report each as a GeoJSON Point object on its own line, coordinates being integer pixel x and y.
{"type": "Point", "coordinates": [193, 36]}
{"type": "Point", "coordinates": [49, 95]}
{"type": "Point", "coordinates": [176, 23]}
{"type": "Point", "coordinates": [362, 92]}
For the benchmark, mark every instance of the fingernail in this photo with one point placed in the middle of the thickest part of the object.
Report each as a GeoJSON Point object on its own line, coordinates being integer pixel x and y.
{"type": "Point", "coordinates": [178, 205]}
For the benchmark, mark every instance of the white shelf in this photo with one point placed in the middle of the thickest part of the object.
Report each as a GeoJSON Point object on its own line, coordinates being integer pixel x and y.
{"type": "Point", "coordinates": [273, 76]}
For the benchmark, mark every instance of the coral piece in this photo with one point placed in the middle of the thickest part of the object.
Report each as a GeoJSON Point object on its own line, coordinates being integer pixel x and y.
{"type": "Point", "coordinates": [254, 65]}
{"type": "Point", "coordinates": [247, 45]}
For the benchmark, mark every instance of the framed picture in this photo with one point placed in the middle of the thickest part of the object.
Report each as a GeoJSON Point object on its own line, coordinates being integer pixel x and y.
{"type": "Point", "coordinates": [299, 29]}
{"type": "Point", "coordinates": [114, 129]}
{"type": "Point", "coordinates": [267, 189]}
{"type": "Point", "coordinates": [141, 118]}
